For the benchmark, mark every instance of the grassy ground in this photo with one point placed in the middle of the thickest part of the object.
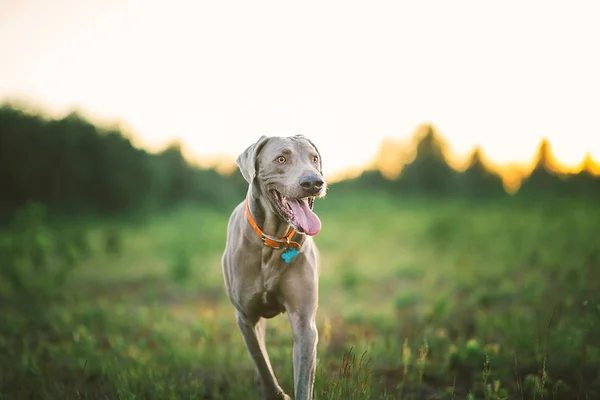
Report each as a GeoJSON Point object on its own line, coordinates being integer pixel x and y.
{"type": "Point", "coordinates": [418, 300]}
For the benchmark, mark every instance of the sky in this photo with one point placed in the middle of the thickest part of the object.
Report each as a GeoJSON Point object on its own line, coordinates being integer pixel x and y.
{"type": "Point", "coordinates": [347, 74]}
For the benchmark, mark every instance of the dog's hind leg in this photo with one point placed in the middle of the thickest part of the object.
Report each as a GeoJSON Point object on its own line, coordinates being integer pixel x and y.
{"type": "Point", "coordinates": [260, 329]}
{"type": "Point", "coordinates": [254, 337]}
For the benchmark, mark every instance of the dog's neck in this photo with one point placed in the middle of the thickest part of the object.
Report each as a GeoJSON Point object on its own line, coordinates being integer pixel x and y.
{"type": "Point", "coordinates": [267, 219]}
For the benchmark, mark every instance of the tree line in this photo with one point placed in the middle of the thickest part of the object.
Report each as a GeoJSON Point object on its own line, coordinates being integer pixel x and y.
{"type": "Point", "coordinates": [74, 167]}
{"type": "Point", "coordinates": [430, 174]}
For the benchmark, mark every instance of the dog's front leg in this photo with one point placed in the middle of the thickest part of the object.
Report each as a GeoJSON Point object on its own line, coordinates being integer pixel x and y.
{"type": "Point", "coordinates": [306, 337]}
{"type": "Point", "coordinates": [255, 344]}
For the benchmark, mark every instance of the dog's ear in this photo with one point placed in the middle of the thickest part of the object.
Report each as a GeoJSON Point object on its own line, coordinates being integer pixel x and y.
{"type": "Point", "coordinates": [247, 160]}
{"type": "Point", "coordinates": [316, 149]}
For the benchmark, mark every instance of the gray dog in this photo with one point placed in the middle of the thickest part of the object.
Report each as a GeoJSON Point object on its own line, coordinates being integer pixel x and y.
{"type": "Point", "coordinates": [270, 259]}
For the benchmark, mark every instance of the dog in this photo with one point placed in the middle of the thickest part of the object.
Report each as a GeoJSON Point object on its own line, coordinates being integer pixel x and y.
{"type": "Point", "coordinates": [270, 262]}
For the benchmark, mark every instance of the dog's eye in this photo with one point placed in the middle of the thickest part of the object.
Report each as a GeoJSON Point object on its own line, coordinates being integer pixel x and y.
{"type": "Point", "coordinates": [316, 159]}
{"type": "Point", "coordinates": [281, 159]}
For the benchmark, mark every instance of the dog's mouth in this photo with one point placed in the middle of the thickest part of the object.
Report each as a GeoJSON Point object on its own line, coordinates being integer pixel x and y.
{"type": "Point", "coordinates": [298, 213]}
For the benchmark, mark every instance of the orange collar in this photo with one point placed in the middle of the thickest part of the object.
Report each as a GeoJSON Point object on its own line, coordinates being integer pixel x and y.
{"type": "Point", "coordinates": [278, 244]}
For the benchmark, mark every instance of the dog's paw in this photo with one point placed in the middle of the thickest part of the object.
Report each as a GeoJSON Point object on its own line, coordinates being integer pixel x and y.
{"type": "Point", "coordinates": [282, 396]}
{"type": "Point", "coordinates": [277, 396]}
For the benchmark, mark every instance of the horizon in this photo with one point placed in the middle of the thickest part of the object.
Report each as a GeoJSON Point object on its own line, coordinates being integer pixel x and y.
{"type": "Point", "coordinates": [392, 156]}
{"type": "Point", "coordinates": [216, 78]}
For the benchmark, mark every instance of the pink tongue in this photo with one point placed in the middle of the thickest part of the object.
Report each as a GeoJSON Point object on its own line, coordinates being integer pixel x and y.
{"type": "Point", "coordinates": [305, 217]}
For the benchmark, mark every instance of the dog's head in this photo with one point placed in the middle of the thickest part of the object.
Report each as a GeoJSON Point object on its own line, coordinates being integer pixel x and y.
{"type": "Point", "coordinates": [288, 171]}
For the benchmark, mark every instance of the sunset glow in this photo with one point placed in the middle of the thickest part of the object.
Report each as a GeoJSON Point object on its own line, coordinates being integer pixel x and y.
{"type": "Point", "coordinates": [217, 75]}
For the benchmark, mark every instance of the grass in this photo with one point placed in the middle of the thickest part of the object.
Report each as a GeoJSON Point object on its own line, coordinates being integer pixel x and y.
{"type": "Point", "coordinates": [418, 300]}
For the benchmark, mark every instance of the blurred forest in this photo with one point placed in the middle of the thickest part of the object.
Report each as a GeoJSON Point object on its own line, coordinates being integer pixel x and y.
{"type": "Point", "coordinates": [427, 172]}
{"type": "Point", "coordinates": [75, 168]}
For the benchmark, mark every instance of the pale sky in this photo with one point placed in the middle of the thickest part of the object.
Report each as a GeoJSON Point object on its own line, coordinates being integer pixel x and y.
{"type": "Point", "coordinates": [218, 74]}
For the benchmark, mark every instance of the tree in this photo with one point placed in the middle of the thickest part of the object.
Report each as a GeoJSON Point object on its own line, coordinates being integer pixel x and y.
{"type": "Point", "coordinates": [586, 183]}
{"type": "Point", "coordinates": [544, 179]}
{"type": "Point", "coordinates": [429, 172]}
{"type": "Point", "coordinates": [477, 180]}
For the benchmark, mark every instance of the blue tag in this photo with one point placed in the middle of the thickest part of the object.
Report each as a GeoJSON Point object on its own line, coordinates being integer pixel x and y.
{"type": "Point", "coordinates": [289, 254]}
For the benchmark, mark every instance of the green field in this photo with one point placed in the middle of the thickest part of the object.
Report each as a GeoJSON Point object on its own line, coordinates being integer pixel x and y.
{"type": "Point", "coordinates": [418, 300]}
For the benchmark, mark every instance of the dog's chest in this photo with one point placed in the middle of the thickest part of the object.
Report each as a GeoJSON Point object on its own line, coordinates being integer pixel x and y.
{"type": "Point", "coordinates": [272, 269]}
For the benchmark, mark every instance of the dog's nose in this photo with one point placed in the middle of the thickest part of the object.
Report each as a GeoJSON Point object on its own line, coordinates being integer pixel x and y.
{"type": "Point", "coordinates": [312, 183]}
